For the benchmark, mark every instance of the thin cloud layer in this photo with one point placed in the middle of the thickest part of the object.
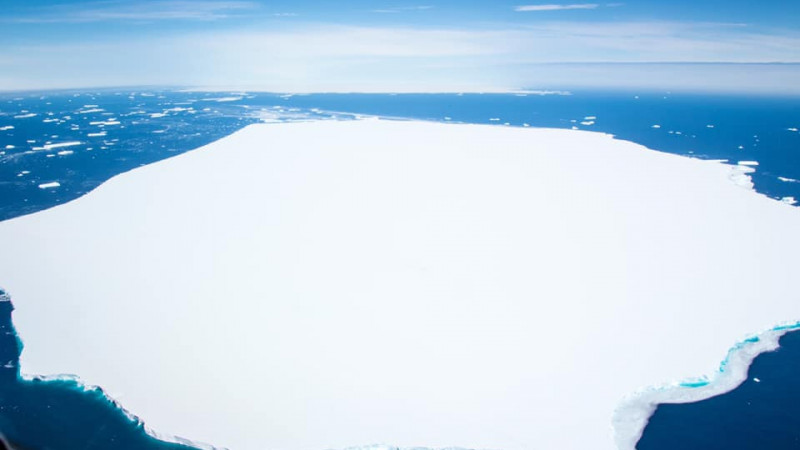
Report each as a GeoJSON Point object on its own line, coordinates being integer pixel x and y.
{"type": "Point", "coordinates": [138, 11]}
{"type": "Point", "coordinates": [554, 7]}
{"type": "Point", "coordinates": [402, 9]}
{"type": "Point", "coordinates": [313, 57]}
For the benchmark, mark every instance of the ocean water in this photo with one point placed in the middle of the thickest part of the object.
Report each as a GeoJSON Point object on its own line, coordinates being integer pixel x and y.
{"type": "Point", "coordinates": [57, 146]}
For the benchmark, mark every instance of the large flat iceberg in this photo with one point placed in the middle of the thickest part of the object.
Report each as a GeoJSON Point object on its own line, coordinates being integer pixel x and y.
{"type": "Point", "coordinates": [319, 285]}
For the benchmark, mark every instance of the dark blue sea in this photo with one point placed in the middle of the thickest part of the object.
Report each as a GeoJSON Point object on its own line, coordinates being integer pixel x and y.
{"type": "Point", "coordinates": [57, 146]}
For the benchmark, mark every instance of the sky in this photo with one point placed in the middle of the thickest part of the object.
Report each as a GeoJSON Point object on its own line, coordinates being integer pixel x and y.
{"type": "Point", "coordinates": [395, 46]}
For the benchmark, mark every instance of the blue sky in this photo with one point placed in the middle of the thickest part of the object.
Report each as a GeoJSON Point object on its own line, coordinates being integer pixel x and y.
{"type": "Point", "coordinates": [437, 45]}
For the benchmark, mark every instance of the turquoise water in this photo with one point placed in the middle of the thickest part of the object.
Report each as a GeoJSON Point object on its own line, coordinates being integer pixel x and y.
{"type": "Point", "coordinates": [80, 139]}
{"type": "Point", "coordinates": [762, 413]}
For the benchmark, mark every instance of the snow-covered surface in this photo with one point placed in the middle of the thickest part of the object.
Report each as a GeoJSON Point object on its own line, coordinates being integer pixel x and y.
{"type": "Point", "coordinates": [328, 284]}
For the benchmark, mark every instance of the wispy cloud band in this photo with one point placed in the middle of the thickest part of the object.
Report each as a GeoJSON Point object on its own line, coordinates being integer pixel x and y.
{"type": "Point", "coordinates": [402, 9]}
{"type": "Point", "coordinates": [555, 7]}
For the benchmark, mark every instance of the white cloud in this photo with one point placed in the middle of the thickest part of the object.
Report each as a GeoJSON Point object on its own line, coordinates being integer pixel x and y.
{"type": "Point", "coordinates": [554, 7]}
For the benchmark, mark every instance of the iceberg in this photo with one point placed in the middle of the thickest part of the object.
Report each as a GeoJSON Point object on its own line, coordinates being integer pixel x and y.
{"type": "Point", "coordinates": [331, 284]}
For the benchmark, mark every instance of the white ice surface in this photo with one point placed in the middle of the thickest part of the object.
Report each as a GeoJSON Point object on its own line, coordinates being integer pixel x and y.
{"type": "Point", "coordinates": [328, 284]}
{"type": "Point", "coordinates": [58, 145]}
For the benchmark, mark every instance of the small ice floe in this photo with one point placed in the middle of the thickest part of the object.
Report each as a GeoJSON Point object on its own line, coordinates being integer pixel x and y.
{"type": "Point", "coordinates": [740, 175]}
{"type": "Point", "coordinates": [789, 200]}
{"type": "Point", "coordinates": [590, 118]}
{"type": "Point", "coordinates": [89, 111]}
{"type": "Point", "coordinates": [575, 128]}
{"type": "Point", "coordinates": [656, 126]}
{"type": "Point", "coordinates": [748, 163]}
{"type": "Point", "coordinates": [50, 155]}
{"type": "Point", "coordinates": [741, 147]}
{"type": "Point", "coordinates": [795, 130]}
{"type": "Point", "coordinates": [157, 115]}
{"type": "Point", "coordinates": [10, 147]}
{"type": "Point", "coordinates": [159, 131]}
{"type": "Point", "coordinates": [25, 116]}
{"type": "Point", "coordinates": [235, 99]}
{"type": "Point", "coordinates": [58, 145]}
{"type": "Point", "coordinates": [494, 119]}
{"type": "Point", "coordinates": [7, 127]}
{"type": "Point", "coordinates": [51, 185]}
{"type": "Point", "coordinates": [587, 122]}
{"type": "Point", "coordinates": [678, 132]}
{"type": "Point", "coordinates": [65, 152]}
{"type": "Point", "coordinates": [541, 92]}
{"type": "Point", "coordinates": [788, 180]}
{"type": "Point", "coordinates": [447, 118]}
{"type": "Point", "coordinates": [100, 134]}
{"type": "Point", "coordinates": [526, 124]}
{"type": "Point", "coordinates": [104, 123]}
